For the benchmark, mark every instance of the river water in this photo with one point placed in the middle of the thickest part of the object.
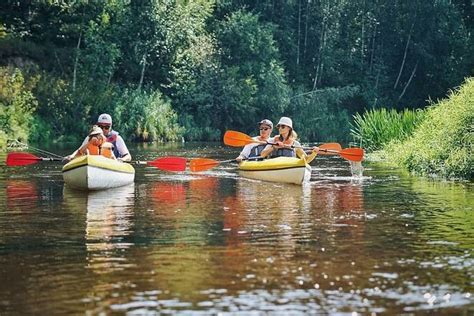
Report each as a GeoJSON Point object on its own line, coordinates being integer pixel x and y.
{"type": "Point", "coordinates": [213, 243]}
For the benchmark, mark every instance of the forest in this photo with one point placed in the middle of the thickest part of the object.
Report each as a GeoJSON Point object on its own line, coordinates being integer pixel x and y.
{"type": "Point", "coordinates": [170, 70]}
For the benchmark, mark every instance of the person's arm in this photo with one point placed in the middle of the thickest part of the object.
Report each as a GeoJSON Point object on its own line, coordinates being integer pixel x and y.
{"type": "Point", "coordinates": [266, 151]}
{"type": "Point", "coordinates": [77, 151]}
{"type": "Point", "coordinates": [126, 157]}
{"type": "Point", "coordinates": [245, 153]}
{"type": "Point", "coordinates": [301, 153]}
{"type": "Point", "coordinates": [123, 150]}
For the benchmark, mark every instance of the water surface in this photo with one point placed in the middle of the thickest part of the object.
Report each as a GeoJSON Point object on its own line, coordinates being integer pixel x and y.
{"type": "Point", "coordinates": [212, 242]}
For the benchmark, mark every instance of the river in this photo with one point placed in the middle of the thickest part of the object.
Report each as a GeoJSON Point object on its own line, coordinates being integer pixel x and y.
{"type": "Point", "coordinates": [212, 242]}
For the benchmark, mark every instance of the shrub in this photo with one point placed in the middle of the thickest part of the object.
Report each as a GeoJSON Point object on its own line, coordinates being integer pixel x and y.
{"type": "Point", "coordinates": [17, 104]}
{"type": "Point", "coordinates": [146, 116]}
{"type": "Point", "coordinates": [442, 145]}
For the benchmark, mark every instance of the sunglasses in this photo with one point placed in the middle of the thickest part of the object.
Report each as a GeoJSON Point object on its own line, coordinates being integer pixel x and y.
{"type": "Point", "coordinates": [264, 128]}
{"type": "Point", "coordinates": [104, 126]}
{"type": "Point", "coordinates": [282, 126]}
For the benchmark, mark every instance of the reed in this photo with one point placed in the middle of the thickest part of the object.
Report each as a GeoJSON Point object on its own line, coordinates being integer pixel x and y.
{"type": "Point", "coordinates": [378, 127]}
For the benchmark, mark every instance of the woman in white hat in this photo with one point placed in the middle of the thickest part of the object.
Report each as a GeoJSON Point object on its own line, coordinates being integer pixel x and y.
{"type": "Point", "coordinates": [254, 150]}
{"type": "Point", "coordinates": [285, 144]}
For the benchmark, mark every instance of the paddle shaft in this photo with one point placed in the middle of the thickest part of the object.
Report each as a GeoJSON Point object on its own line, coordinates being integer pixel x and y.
{"type": "Point", "coordinates": [346, 153]}
{"type": "Point", "coordinates": [50, 159]}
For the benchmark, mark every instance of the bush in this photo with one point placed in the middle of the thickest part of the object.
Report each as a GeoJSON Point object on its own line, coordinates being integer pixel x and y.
{"type": "Point", "coordinates": [17, 104]}
{"type": "Point", "coordinates": [442, 145]}
{"type": "Point", "coordinates": [146, 116]}
{"type": "Point", "coordinates": [378, 127]}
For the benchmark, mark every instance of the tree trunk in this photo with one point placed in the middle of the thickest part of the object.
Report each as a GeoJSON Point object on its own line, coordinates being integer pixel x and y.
{"type": "Point", "coordinates": [322, 43]}
{"type": "Point", "coordinates": [76, 62]}
{"type": "Point", "coordinates": [372, 53]}
{"type": "Point", "coordinates": [306, 29]}
{"type": "Point", "coordinates": [299, 34]}
{"type": "Point", "coordinates": [142, 75]}
{"type": "Point", "coordinates": [408, 82]}
{"type": "Point", "coordinates": [404, 56]}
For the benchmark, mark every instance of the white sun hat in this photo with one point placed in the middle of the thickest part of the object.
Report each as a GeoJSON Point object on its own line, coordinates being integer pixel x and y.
{"type": "Point", "coordinates": [285, 121]}
{"type": "Point", "coordinates": [96, 130]}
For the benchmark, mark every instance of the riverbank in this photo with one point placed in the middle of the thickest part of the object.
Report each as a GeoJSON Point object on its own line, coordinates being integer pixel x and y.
{"type": "Point", "coordinates": [442, 144]}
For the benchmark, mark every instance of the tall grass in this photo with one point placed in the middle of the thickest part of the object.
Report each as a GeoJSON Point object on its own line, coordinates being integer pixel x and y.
{"type": "Point", "coordinates": [378, 127]}
{"type": "Point", "coordinates": [443, 144]}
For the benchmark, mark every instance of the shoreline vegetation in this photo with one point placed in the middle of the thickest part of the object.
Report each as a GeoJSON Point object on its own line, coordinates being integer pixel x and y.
{"type": "Point", "coordinates": [437, 142]}
{"type": "Point", "coordinates": [172, 71]}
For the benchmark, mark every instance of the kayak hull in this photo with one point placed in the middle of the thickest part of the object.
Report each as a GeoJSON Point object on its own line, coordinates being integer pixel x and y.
{"type": "Point", "coordinates": [93, 172]}
{"type": "Point", "coordinates": [280, 169]}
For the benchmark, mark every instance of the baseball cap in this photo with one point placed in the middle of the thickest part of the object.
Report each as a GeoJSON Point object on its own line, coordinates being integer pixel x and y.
{"type": "Point", "coordinates": [104, 119]}
{"type": "Point", "coordinates": [266, 122]}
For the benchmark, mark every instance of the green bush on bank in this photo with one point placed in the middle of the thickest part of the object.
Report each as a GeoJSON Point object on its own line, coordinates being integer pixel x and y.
{"type": "Point", "coordinates": [442, 145]}
{"type": "Point", "coordinates": [17, 104]}
{"type": "Point", "coordinates": [378, 127]}
{"type": "Point", "coordinates": [146, 116]}
{"type": "Point", "coordinates": [38, 107]}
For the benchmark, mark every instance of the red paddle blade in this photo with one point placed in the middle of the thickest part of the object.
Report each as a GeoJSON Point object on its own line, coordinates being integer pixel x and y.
{"type": "Point", "coordinates": [353, 154]}
{"type": "Point", "coordinates": [202, 164]}
{"type": "Point", "coordinates": [237, 139]}
{"type": "Point", "coordinates": [329, 146]}
{"type": "Point", "coordinates": [169, 163]}
{"type": "Point", "coordinates": [21, 159]}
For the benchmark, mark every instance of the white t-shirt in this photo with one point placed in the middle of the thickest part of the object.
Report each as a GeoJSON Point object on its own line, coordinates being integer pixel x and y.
{"type": "Point", "coordinates": [248, 148]}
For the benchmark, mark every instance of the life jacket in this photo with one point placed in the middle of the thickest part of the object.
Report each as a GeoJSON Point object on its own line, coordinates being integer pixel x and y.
{"type": "Point", "coordinates": [106, 149]}
{"type": "Point", "coordinates": [284, 152]}
{"type": "Point", "coordinates": [93, 149]}
{"type": "Point", "coordinates": [257, 150]}
{"type": "Point", "coordinates": [112, 138]}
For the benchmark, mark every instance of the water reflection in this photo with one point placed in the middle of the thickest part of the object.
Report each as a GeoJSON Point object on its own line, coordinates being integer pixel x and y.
{"type": "Point", "coordinates": [168, 195]}
{"type": "Point", "coordinates": [214, 243]}
{"type": "Point", "coordinates": [109, 219]}
{"type": "Point", "coordinates": [21, 194]}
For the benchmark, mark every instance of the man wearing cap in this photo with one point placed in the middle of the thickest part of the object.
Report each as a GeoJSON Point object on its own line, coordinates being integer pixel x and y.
{"type": "Point", "coordinates": [120, 150]}
{"type": "Point", "coordinates": [254, 149]}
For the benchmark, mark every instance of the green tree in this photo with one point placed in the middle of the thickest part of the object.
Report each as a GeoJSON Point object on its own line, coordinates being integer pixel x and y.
{"type": "Point", "coordinates": [253, 81]}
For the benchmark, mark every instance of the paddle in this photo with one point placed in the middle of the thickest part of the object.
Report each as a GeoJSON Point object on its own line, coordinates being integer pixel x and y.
{"type": "Point", "coordinates": [203, 164]}
{"type": "Point", "coordinates": [238, 139]}
{"type": "Point", "coordinates": [168, 163]}
{"type": "Point", "coordinates": [24, 159]}
{"type": "Point", "coordinates": [164, 163]}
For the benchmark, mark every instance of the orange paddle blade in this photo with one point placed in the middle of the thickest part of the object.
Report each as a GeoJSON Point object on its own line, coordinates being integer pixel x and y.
{"type": "Point", "coordinates": [329, 146]}
{"type": "Point", "coordinates": [353, 154]}
{"type": "Point", "coordinates": [169, 163]}
{"type": "Point", "coordinates": [202, 164]}
{"type": "Point", "coordinates": [237, 139]}
{"type": "Point", "coordinates": [21, 159]}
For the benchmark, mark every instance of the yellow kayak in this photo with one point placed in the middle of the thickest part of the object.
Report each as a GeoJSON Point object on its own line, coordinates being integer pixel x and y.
{"type": "Point", "coordinates": [93, 172]}
{"type": "Point", "coordinates": [280, 169]}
